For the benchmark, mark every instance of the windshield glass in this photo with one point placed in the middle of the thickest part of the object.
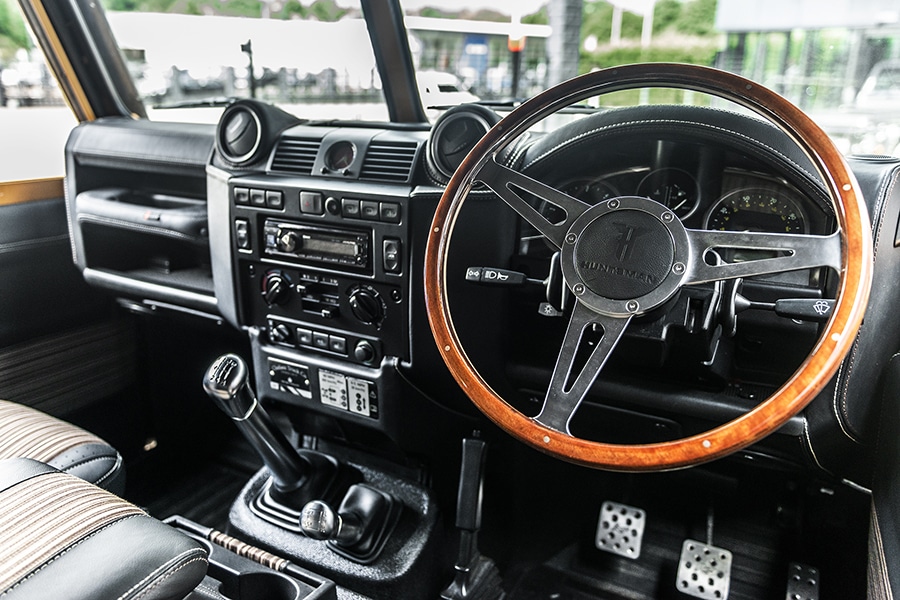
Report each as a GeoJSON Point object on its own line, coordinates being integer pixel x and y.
{"type": "Point", "coordinates": [313, 60]}
{"type": "Point", "coordinates": [839, 63]}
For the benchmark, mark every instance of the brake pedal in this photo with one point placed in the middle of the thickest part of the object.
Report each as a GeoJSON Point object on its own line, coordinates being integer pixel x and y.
{"type": "Point", "coordinates": [704, 571]}
{"type": "Point", "coordinates": [620, 529]}
{"type": "Point", "coordinates": [803, 582]}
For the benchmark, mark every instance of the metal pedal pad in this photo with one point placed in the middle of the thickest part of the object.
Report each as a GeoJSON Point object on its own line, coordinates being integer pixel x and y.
{"type": "Point", "coordinates": [620, 529]}
{"type": "Point", "coordinates": [704, 571]}
{"type": "Point", "coordinates": [803, 582]}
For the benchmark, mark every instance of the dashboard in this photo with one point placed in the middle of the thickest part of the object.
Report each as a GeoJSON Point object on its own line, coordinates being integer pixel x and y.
{"type": "Point", "coordinates": [312, 242]}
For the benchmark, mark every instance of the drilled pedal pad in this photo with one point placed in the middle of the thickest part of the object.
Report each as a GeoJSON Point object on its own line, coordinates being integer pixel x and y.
{"type": "Point", "coordinates": [803, 582]}
{"type": "Point", "coordinates": [620, 529]}
{"type": "Point", "coordinates": [704, 571]}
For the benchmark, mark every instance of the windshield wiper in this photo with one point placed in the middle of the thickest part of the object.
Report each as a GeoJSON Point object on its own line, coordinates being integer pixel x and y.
{"type": "Point", "coordinates": [202, 103]}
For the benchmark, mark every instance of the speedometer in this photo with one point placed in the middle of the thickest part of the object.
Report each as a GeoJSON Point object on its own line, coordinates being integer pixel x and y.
{"type": "Point", "coordinates": [757, 209]}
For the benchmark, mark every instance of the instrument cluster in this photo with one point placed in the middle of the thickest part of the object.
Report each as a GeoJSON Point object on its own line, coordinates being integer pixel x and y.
{"type": "Point", "coordinates": [744, 201]}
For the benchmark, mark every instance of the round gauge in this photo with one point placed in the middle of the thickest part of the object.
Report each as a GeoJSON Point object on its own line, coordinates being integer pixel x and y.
{"type": "Point", "coordinates": [594, 191]}
{"type": "Point", "coordinates": [340, 156]}
{"type": "Point", "coordinates": [676, 189]}
{"type": "Point", "coordinates": [455, 133]}
{"type": "Point", "coordinates": [757, 209]}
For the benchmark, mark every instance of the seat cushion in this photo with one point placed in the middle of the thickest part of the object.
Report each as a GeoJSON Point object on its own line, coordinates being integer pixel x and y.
{"type": "Point", "coordinates": [66, 538]}
{"type": "Point", "coordinates": [29, 433]}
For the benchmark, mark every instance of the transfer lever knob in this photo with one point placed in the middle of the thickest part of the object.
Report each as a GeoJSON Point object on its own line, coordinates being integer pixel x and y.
{"type": "Point", "coordinates": [320, 522]}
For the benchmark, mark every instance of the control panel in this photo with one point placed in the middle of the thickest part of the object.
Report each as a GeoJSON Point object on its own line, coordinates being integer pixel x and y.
{"type": "Point", "coordinates": [323, 276]}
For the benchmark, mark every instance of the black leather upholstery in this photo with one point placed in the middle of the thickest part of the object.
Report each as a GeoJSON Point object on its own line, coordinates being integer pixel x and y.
{"type": "Point", "coordinates": [29, 433]}
{"type": "Point", "coordinates": [91, 544]}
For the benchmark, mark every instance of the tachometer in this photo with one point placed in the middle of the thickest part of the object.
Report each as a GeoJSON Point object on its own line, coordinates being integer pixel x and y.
{"type": "Point", "coordinates": [674, 188]}
{"type": "Point", "coordinates": [592, 191]}
{"type": "Point", "coordinates": [757, 209]}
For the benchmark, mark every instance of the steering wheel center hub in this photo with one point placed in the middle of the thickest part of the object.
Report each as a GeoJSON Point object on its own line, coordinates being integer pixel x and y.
{"type": "Point", "coordinates": [624, 254]}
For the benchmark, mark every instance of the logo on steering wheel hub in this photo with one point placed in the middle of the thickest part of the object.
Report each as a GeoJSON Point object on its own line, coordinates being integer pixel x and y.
{"type": "Point", "coordinates": [622, 251]}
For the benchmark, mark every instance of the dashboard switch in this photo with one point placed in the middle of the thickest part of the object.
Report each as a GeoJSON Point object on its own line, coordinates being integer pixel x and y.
{"type": "Point", "coordinates": [320, 340]}
{"type": "Point", "coordinates": [304, 337]}
{"type": "Point", "coordinates": [333, 206]}
{"type": "Point", "coordinates": [364, 352]}
{"type": "Point", "coordinates": [350, 208]}
{"type": "Point", "coordinates": [390, 255]}
{"type": "Point", "coordinates": [274, 200]}
{"type": "Point", "coordinates": [390, 212]}
{"type": "Point", "coordinates": [311, 203]}
{"type": "Point", "coordinates": [280, 333]}
{"type": "Point", "coordinates": [242, 234]}
{"type": "Point", "coordinates": [369, 210]}
{"type": "Point", "coordinates": [258, 197]}
{"type": "Point", "coordinates": [337, 344]}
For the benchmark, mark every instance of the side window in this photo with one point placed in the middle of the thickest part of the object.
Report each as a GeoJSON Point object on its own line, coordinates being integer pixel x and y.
{"type": "Point", "coordinates": [34, 119]}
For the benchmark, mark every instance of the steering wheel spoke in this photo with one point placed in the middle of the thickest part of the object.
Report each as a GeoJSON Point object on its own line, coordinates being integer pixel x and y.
{"type": "Point", "coordinates": [718, 255]}
{"type": "Point", "coordinates": [508, 184]}
{"type": "Point", "coordinates": [568, 387]}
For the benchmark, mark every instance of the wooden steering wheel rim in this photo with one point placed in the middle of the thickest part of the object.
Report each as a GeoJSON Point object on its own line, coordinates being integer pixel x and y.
{"type": "Point", "coordinates": [769, 415]}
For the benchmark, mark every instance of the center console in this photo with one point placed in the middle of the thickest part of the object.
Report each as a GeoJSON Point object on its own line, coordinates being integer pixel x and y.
{"type": "Point", "coordinates": [320, 264]}
{"type": "Point", "coordinates": [311, 252]}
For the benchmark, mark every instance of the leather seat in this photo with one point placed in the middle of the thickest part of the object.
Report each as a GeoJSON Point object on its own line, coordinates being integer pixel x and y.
{"type": "Point", "coordinates": [65, 538]}
{"type": "Point", "coordinates": [29, 433]}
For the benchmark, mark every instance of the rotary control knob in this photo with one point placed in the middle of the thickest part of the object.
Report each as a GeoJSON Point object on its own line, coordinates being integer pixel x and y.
{"type": "Point", "coordinates": [367, 305]}
{"type": "Point", "coordinates": [288, 241]}
{"type": "Point", "coordinates": [280, 333]}
{"type": "Point", "coordinates": [275, 288]}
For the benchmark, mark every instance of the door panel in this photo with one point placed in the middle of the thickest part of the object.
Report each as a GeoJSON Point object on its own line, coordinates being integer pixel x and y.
{"type": "Point", "coordinates": [60, 346]}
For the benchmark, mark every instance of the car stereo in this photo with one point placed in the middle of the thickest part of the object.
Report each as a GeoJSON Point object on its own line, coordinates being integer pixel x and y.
{"type": "Point", "coordinates": [314, 244]}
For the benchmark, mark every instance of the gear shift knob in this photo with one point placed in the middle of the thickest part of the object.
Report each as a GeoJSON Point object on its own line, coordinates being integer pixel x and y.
{"type": "Point", "coordinates": [227, 383]}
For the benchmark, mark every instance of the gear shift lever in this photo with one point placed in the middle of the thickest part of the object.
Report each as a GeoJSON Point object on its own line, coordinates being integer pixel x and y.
{"type": "Point", "coordinates": [297, 476]}
{"type": "Point", "coordinates": [226, 383]}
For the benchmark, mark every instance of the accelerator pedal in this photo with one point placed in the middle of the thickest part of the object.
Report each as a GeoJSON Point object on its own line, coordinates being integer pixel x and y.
{"type": "Point", "coordinates": [704, 571]}
{"type": "Point", "coordinates": [620, 529]}
{"type": "Point", "coordinates": [803, 582]}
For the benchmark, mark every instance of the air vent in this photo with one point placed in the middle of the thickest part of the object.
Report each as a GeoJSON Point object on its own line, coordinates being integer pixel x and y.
{"type": "Point", "coordinates": [389, 161]}
{"type": "Point", "coordinates": [296, 155]}
{"type": "Point", "coordinates": [239, 135]}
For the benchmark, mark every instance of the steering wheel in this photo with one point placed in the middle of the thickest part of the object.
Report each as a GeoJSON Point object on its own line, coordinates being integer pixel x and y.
{"type": "Point", "coordinates": [644, 241]}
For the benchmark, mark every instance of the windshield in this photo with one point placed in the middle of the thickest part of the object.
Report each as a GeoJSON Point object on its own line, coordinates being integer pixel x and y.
{"type": "Point", "coordinates": [315, 61]}
{"type": "Point", "coordinates": [839, 63]}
